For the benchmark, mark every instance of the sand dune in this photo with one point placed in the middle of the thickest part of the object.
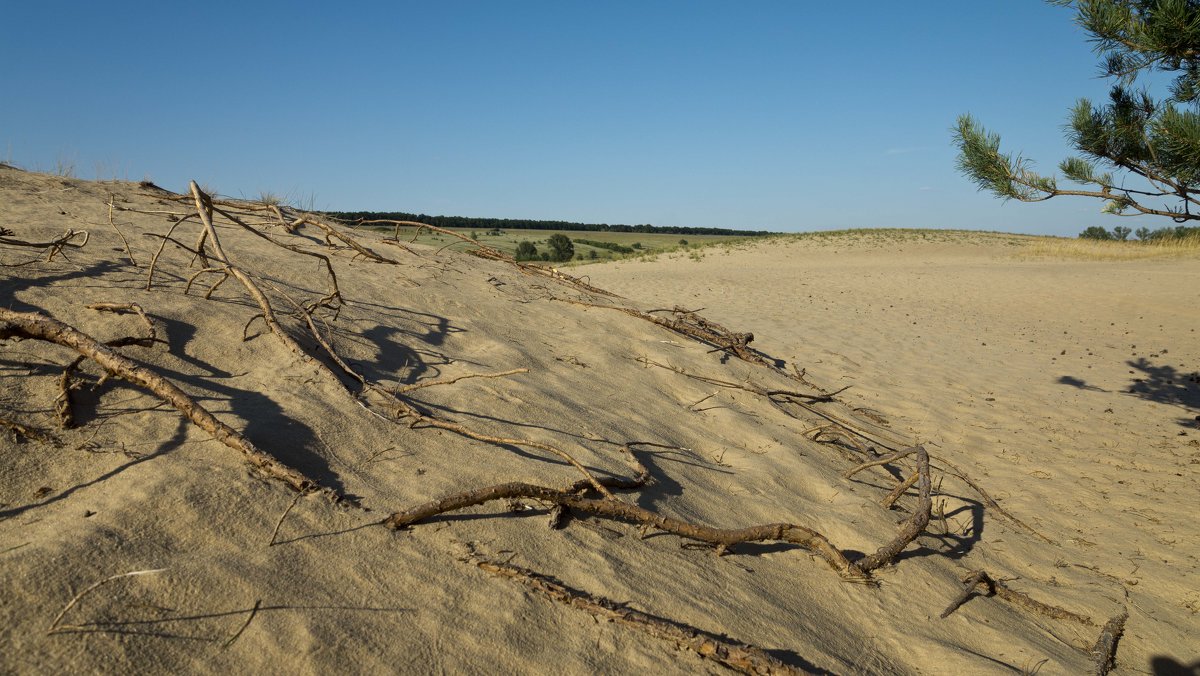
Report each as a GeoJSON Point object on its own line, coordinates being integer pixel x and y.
{"type": "Point", "coordinates": [1066, 390]}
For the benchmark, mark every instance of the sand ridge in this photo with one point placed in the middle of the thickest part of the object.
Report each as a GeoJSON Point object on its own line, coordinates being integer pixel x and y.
{"type": "Point", "coordinates": [135, 488]}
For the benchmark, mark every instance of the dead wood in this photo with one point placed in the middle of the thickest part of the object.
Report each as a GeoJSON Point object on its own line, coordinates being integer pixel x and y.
{"type": "Point", "coordinates": [450, 381]}
{"type": "Point", "coordinates": [740, 657]}
{"type": "Point", "coordinates": [55, 626]}
{"type": "Point", "coordinates": [880, 461]}
{"type": "Point", "coordinates": [613, 508]}
{"type": "Point", "coordinates": [891, 498]}
{"type": "Point", "coordinates": [204, 209]}
{"type": "Point", "coordinates": [334, 293]}
{"type": "Point", "coordinates": [912, 527]}
{"type": "Point", "coordinates": [128, 252]}
{"type": "Point", "coordinates": [1104, 653]}
{"type": "Point", "coordinates": [18, 431]}
{"type": "Point", "coordinates": [35, 326]}
{"type": "Point", "coordinates": [995, 587]}
{"type": "Point", "coordinates": [989, 501]}
{"type": "Point", "coordinates": [67, 239]}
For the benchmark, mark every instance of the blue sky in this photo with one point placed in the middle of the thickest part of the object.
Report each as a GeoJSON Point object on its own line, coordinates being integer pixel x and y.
{"type": "Point", "coordinates": [780, 115]}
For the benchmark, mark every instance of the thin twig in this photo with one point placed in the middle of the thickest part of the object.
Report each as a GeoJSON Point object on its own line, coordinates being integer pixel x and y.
{"type": "Point", "coordinates": [71, 604]}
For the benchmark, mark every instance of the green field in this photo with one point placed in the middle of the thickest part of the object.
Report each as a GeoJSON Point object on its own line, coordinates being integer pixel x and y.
{"type": "Point", "coordinates": [639, 243]}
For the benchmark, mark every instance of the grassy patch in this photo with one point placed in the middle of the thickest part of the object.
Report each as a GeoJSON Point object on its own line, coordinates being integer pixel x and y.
{"type": "Point", "coordinates": [1107, 250]}
{"type": "Point", "coordinates": [604, 246]}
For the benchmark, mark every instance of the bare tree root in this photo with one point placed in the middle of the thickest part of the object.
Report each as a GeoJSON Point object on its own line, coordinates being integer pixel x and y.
{"type": "Point", "coordinates": [745, 386]}
{"type": "Point", "coordinates": [723, 539]}
{"type": "Point", "coordinates": [740, 657]}
{"type": "Point", "coordinates": [1104, 653]}
{"type": "Point", "coordinates": [204, 209]}
{"type": "Point", "coordinates": [904, 453]}
{"type": "Point", "coordinates": [891, 498]}
{"type": "Point", "coordinates": [41, 327]}
{"type": "Point", "coordinates": [994, 587]}
{"type": "Point", "coordinates": [777, 397]}
{"type": "Point", "coordinates": [53, 247]}
{"type": "Point", "coordinates": [912, 527]}
{"type": "Point", "coordinates": [991, 503]}
{"type": "Point", "coordinates": [64, 405]}
{"type": "Point", "coordinates": [450, 381]}
{"type": "Point", "coordinates": [613, 508]}
{"type": "Point", "coordinates": [128, 252]}
{"type": "Point", "coordinates": [19, 431]}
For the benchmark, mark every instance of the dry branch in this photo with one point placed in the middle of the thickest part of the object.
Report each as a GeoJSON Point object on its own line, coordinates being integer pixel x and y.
{"type": "Point", "coordinates": [912, 527]}
{"type": "Point", "coordinates": [450, 381]}
{"type": "Point", "coordinates": [67, 239]}
{"type": "Point", "coordinates": [735, 655]}
{"type": "Point", "coordinates": [113, 224]}
{"type": "Point", "coordinates": [615, 509]}
{"type": "Point", "coordinates": [204, 209]}
{"type": "Point", "coordinates": [40, 327]}
{"type": "Point", "coordinates": [994, 587]}
{"type": "Point", "coordinates": [1104, 653]}
{"type": "Point", "coordinates": [55, 626]}
{"type": "Point", "coordinates": [987, 500]}
{"type": "Point", "coordinates": [891, 498]}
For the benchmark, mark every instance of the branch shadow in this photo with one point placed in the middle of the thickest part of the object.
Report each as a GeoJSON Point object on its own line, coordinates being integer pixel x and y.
{"type": "Point", "coordinates": [1161, 384]}
{"type": "Point", "coordinates": [174, 442]}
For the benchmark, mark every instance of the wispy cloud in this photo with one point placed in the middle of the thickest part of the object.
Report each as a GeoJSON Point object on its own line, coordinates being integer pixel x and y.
{"type": "Point", "coordinates": [926, 188]}
{"type": "Point", "coordinates": [902, 151]}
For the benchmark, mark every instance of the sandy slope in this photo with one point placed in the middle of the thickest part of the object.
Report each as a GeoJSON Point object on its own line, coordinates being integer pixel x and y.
{"type": "Point", "coordinates": [135, 487]}
{"type": "Point", "coordinates": [1071, 387]}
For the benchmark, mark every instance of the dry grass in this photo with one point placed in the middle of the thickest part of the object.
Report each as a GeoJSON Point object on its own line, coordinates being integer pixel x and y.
{"type": "Point", "coordinates": [1098, 250]}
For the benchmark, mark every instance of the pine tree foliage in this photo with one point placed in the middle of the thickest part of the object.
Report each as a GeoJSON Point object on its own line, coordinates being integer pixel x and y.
{"type": "Point", "coordinates": [1153, 145]}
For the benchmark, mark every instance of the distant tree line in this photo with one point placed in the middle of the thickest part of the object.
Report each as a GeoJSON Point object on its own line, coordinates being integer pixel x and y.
{"type": "Point", "coordinates": [1122, 233]}
{"type": "Point", "coordinates": [522, 224]}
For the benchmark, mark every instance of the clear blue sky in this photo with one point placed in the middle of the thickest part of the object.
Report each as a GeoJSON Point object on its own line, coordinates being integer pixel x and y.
{"type": "Point", "coordinates": [782, 115]}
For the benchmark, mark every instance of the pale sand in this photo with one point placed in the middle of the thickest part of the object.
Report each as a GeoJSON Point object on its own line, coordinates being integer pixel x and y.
{"type": "Point", "coordinates": [136, 487]}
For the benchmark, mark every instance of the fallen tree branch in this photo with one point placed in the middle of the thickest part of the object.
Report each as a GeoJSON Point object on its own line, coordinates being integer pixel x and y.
{"type": "Point", "coordinates": [1104, 653]}
{"type": "Point", "coordinates": [41, 327]}
{"type": "Point", "coordinates": [994, 587]}
{"type": "Point", "coordinates": [613, 508]}
{"type": "Point", "coordinates": [128, 252]}
{"type": "Point", "coordinates": [67, 239]}
{"type": "Point", "coordinates": [740, 657]}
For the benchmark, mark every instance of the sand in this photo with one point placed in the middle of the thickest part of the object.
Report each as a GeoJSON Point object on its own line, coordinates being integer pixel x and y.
{"type": "Point", "coordinates": [956, 343]}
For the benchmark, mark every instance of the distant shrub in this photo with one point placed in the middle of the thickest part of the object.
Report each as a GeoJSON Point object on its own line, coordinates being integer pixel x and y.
{"type": "Point", "coordinates": [611, 246]}
{"type": "Point", "coordinates": [561, 247]}
{"type": "Point", "coordinates": [1168, 234]}
{"type": "Point", "coordinates": [683, 242]}
{"type": "Point", "coordinates": [527, 251]}
{"type": "Point", "coordinates": [1095, 232]}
